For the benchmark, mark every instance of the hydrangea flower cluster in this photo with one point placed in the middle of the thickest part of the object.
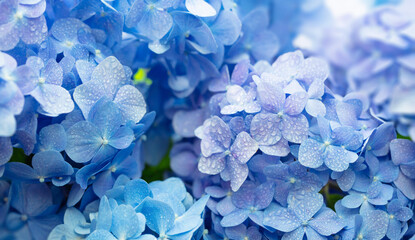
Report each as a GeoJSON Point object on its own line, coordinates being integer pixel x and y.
{"type": "Point", "coordinates": [273, 137]}
{"type": "Point", "coordinates": [133, 209]}
{"type": "Point", "coordinates": [99, 97]}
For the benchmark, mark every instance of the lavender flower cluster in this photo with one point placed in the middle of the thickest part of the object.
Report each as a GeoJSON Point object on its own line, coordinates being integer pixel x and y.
{"type": "Point", "coordinates": [200, 119]}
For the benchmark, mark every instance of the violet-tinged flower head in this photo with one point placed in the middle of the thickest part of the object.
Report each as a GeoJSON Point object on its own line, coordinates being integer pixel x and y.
{"type": "Point", "coordinates": [335, 148]}
{"type": "Point", "coordinates": [377, 145]}
{"type": "Point", "coordinates": [220, 201]}
{"type": "Point", "coordinates": [376, 195]}
{"type": "Point", "coordinates": [249, 201]}
{"type": "Point", "coordinates": [34, 214]}
{"type": "Point", "coordinates": [150, 18]}
{"type": "Point", "coordinates": [398, 213]}
{"type": "Point", "coordinates": [256, 42]}
{"type": "Point", "coordinates": [305, 215]}
{"type": "Point", "coordinates": [291, 178]}
{"type": "Point", "coordinates": [47, 166]}
{"type": "Point", "coordinates": [109, 79]}
{"type": "Point", "coordinates": [106, 16]}
{"type": "Point", "coordinates": [53, 98]}
{"type": "Point", "coordinates": [222, 154]}
{"type": "Point", "coordinates": [371, 225]}
{"type": "Point", "coordinates": [22, 21]}
{"type": "Point", "coordinates": [65, 37]}
{"type": "Point", "coordinates": [243, 232]}
{"type": "Point", "coordinates": [402, 152]}
{"type": "Point", "coordinates": [15, 82]}
{"type": "Point", "coordinates": [101, 136]}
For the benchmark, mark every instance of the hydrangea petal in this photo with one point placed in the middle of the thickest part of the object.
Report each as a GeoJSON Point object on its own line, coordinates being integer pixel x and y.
{"type": "Point", "coordinates": [265, 128]}
{"type": "Point", "coordinates": [310, 154]}
{"type": "Point", "coordinates": [83, 141]}
{"type": "Point", "coordinates": [294, 128]}
{"type": "Point", "coordinates": [200, 8]}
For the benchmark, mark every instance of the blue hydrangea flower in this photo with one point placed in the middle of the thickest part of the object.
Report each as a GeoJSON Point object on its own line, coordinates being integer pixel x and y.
{"type": "Point", "coordinates": [34, 215]}
{"type": "Point", "coordinates": [150, 18]}
{"type": "Point", "coordinates": [305, 215]}
{"type": "Point", "coordinates": [221, 199]}
{"type": "Point", "coordinates": [47, 166]}
{"type": "Point", "coordinates": [65, 37]}
{"type": "Point", "coordinates": [288, 110]}
{"type": "Point", "coordinates": [74, 226]}
{"type": "Point", "coordinates": [378, 145]}
{"type": "Point", "coordinates": [402, 152]}
{"type": "Point", "coordinates": [371, 225]}
{"type": "Point", "coordinates": [398, 213]}
{"type": "Point", "coordinates": [241, 232]}
{"type": "Point", "coordinates": [109, 79]}
{"type": "Point", "coordinates": [53, 98]}
{"type": "Point", "coordinates": [292, 177]}
{"type": "Point", "coordinates": [15, 82]}
{"type": "Point", "coordinates": [117, 222]}
{"type": "Point", "coordinates": [22, 21]}
{"type": "Point", "coordinates": [256, 41]}
{"type": "Point", "coordinates": [219, 156]}
{"type": "Point", "coordinates": [249, 200]}
{"type": "Point", "coordinates": [100, 136]}
{"type": "Point", "coordinates": [335, 148]}
{"type": "Point", "coordinates": [376, 194]}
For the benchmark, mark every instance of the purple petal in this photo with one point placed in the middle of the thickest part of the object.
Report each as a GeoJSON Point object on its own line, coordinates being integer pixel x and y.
{"type": "Point", "coordinates": [294, 129]}
{"type": "Point", "coordinates": [265, 128]}
{"type": "Point", "coordinates": [244, 147]}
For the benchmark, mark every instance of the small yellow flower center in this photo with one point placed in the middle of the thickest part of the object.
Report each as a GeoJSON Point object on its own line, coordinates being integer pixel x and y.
{"type": "Point", "coordinates": [69, 44]}
{"type": "Point", "coordinates": [42, 80]}
{"type": "Point", "coordinates": [41, 179]}
{"type": "Point", "coordinates": [18, 15]}
{"type": "Point", "coordinates": [292, 180]}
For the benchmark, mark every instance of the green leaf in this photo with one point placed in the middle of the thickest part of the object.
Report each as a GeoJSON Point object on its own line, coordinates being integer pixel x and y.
{"type": "Point", "coordinates": [403, 137]}
{"type": "Point", "coordinates": [153, 173]}
{"type": "Point", "coordinates": [19, 156]}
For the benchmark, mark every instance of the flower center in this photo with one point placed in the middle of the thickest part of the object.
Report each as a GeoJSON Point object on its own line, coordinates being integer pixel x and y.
{"type": "Point", "coordinates": [24, 217]}
{"type": "Point", "coordinates": [69, 44]}
{"type": "Point", "coordinates": [292, 180]}
{"type": "Point", "coordinates": [104, 141]}
{"type": "Point", "coordinates": [41, 179]}
{"type": "Point", "coordinates": [113, 169]}
{"type": "Point", "coordinates": [18, 15]}
{"type": "Point", "coordinates": [42, 80]}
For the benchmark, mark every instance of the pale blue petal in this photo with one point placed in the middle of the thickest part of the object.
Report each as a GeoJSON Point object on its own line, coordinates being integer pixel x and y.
{"type": "Point", "coordinates": [126, 222]}
{"type": "Point", "coordinates": [311, 153]}
{"type": "Point", "coordinates": [280, 218]}
{"type": "Point", "coordinates": [338, 158]}
{"type": "Point", "coordinates": [84, 141]}
{"type": "Point", "coordinates": [200, 8]}
{"type": "Point", "coordinates": [326, 222]}
{"type": "Point", "coordinates": [265, 128]}
{"type": "Point", "coordinates": [212, 165]}
{"type": "Point", "coordinates": [305, 205]}
{"type": "Point", "coordinates": [101, 235]}
{"type": "Point", "coordinates": [244, 147]}
{"type": "Point", "coordinates": [131, 103]}
{"type": "Point", "coordinates": [294, 128]}
{"type": "Point", "coordinates": [53, 99]}
{"type": "Point", "coordinates": [315, 108]}
{"type": "Point", "coordinates": [159, 215]}
{"type": "Point", "coordinates": [234, 218]}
